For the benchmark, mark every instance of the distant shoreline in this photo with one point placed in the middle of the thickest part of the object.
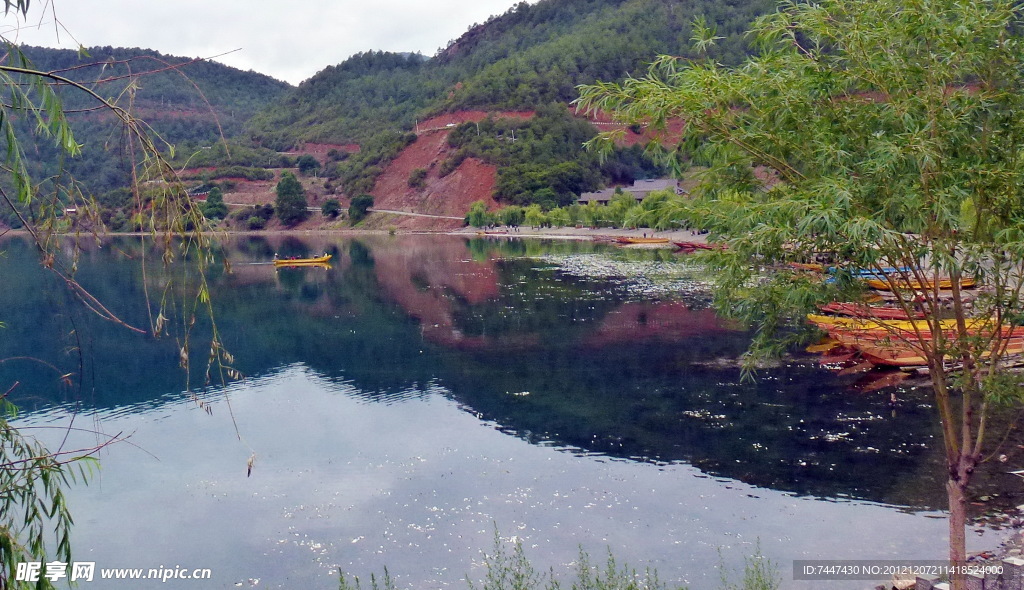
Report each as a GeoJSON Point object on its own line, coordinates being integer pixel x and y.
{"type": "Point", "coordinates": [564, 233]}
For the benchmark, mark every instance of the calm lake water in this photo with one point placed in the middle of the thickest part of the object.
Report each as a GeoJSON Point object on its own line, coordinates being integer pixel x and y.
{"type": "Point", "coordinates": [426, 393]}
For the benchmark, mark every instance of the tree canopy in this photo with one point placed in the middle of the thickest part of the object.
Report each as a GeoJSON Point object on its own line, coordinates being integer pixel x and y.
{"type": "Point", "coordinates": [291, 200]}
{"type": "Point", "coordinates": [875, 133]}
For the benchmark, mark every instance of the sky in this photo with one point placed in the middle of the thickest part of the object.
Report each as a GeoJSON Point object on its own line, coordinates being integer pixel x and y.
{"type": "Point", "coordinates": [290, 41]}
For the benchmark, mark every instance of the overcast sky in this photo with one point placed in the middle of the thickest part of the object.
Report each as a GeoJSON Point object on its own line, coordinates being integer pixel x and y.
{"type": "Point", "coordinates": [287, 40]}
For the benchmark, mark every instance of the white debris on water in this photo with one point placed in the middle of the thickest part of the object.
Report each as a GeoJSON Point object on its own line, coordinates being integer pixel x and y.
{"type": "Point", "coordinates": [640, 278]}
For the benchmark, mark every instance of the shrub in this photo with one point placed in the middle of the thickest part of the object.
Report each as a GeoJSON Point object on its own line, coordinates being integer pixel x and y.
{"type": "Point", "coordinates": [359, 208]}
{"type": "Point", "coordinates": [417, 179]}
{"type": "Point", "coordinates": [307, 165]}
{"type": "Point", "coordinates": [214, 207]}
{"type": "Point", "coordinates": [331, 208]}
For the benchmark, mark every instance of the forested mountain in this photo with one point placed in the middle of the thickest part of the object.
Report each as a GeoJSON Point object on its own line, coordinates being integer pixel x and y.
{"type": "Point", "coordinates": [529, 60]}
{"type": "Point", "coordinates": [181, 99]}
{"type": "Point", "coordinates": [529, 56]}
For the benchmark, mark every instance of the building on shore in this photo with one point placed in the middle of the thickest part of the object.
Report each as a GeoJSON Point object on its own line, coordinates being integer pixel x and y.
{"type": "Point", "coordinates": [639, 191]}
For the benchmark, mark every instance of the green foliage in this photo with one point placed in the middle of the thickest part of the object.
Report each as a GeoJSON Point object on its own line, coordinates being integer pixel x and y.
{"type": "Point", "coordinates": [891, 135]}
{"type": "Point", "coordinates": [358, 173]}
{"type": "Point", "coordinates": [759, 573]}
{"type": "Point", "coordinates": [513, 216]}
{"type": "Point", "coordinates": [291, 200]}
{"type": "Point", "coordinates": [541, 160]}
{"type": "Point", "coordinates": [255, 217]}
{"type": "Point", "coordinates": [478, 215]}
{"type": "Point", "coordinates": [417, 178]}
{"type": "Point", "coordinates": [508, 568]}
{"type": "Point", "coordinates": [244, 172]}
{"type": "Point", "coordinates": [534, 216]}
{"type": "Point", "coordinates": [331, 208]}
{"type": "Point", "coordinates": [35, 523]}
{"type": "Point", "coordinates": [532, 55]}
{"type": "Point", "coordinates": [229, 154]}
{"type": "Point", "coordinates": [192, 102]}
{"type": "Point", "coordinates": [214, 207]}
{"type": "Point", "coordinates": [352, 101]}
{"type": "Point", "coordinates": [307, 165]}
{"type": "Point", "coordinates": [385, 583]}
{"type": "Point", "coordinates": [359, 208]}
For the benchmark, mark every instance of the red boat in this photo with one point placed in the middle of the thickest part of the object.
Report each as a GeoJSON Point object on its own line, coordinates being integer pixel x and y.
{"type": "Point", "coordinates": [690, 247]}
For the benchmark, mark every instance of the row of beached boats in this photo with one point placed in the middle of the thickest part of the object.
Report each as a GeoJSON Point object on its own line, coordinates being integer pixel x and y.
{"type": "Point", "coordinates": [873, 333]}
{"type": "Point", "coordinates": [902, 342]}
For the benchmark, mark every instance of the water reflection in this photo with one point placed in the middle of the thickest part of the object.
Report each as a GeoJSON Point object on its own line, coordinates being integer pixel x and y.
{"type": "Point", "coordinates": [581, 363]}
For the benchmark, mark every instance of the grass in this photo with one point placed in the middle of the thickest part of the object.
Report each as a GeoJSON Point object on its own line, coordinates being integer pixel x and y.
{"type": "Point", "coordinates": [508, 568]}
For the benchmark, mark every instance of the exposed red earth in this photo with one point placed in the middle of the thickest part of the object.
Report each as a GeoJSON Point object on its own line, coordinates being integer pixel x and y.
{"type": "Point", "coordinates": [449, 196]}
{"type": "Point", "coordinates": [439, 203]}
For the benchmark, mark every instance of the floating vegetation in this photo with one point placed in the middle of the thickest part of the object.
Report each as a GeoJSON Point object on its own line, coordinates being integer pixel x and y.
{"type": "Point", "coordinates": [640, 278]}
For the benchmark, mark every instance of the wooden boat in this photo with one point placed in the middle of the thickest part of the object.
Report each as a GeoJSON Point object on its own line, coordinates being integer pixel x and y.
{"type": "Point", "coordinates": [827, 322]}
{"type": "Point", "coordinates": [911, 354]}
{"type": "Point", "coordinates": [808, 266]}
{"type": "Point", "coordinates": [317, 261]}
{"type": "Point", "coordinates": [691, 246]}
{"type": "Point", "coordinates": [861, 310]}
{"type": "Point", "coordinates": [900, 283]}
{"type": "Point", "coordinates": [634, 240]}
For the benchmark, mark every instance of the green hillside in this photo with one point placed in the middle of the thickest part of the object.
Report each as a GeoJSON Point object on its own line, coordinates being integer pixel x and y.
{"type": "Point", "coordinates": [531, 55]}
{"type": "Point", "coordinates": [180, 97]}
{"type": "Point", "coordinates": [182, 100]}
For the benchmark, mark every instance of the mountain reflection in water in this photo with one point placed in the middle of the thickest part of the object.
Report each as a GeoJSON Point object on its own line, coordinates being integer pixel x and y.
{"type": "Point", "coordinates": [571, 361]}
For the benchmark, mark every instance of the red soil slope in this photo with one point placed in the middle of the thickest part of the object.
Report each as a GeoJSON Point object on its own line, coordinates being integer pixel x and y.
{"type": "Point", "coordinates": [449, 196]}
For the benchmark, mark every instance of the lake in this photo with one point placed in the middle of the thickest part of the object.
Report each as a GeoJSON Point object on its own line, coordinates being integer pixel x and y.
{"type": "Point", "coordinates": [427, 393]}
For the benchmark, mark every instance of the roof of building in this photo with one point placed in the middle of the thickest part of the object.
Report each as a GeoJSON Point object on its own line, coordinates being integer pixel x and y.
{"type": "Point", "coordinates": [639, 190]}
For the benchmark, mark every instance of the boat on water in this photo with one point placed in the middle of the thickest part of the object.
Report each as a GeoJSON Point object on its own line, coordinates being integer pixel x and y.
{"type": "Point", "coordinates": [694, 246]}
{"type": "Point", "coordinates": [898, 283]}
{"type": "Point", "coordinates": [863, 310]}
{"type": "Point", "coordinates": [911, 354]}
{"type": "Point", "coordinates": [808, 266]}
{"type": "Point", "coordinates": [888, 326]}
{"type": "Point", "coordinates": [315, 261]}
{"type": "Point", "coordinates": [634, 240]}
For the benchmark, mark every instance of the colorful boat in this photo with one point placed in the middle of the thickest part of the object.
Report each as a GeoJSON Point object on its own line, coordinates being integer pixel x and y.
{"type": "Point", "coordinates": [861, 310]}
{"type": "Point", "coordinates": [316, 261]}
{"type": "Point", "coordinates": [691, 246]}
{"type": "Point", "coordinates": [911, 354]}
{"type": "Point", "coordinates": [633, 240]}
{"type": "Point", "coordinates": [900, 283]}
{"type": "Point", "coordinates": [808, 266]}
{"type": "Point", "coordinates": [860, 324]}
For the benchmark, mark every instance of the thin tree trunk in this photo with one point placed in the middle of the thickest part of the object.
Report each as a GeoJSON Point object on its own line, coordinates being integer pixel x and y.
{"type": "Point", "coordinates": [956, 487]}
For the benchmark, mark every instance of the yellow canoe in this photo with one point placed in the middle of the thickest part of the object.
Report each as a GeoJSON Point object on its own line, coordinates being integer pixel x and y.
{"type": "Point", "coordinates": [629, 240]}
{"type": "Point", "coordinates": [302, 261]}
{"type": "Point", "coordinates": [827, 321]}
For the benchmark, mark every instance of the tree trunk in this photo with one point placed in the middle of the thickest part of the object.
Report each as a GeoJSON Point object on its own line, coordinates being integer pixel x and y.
{"type": "Point", "coordinates": [955, 492]}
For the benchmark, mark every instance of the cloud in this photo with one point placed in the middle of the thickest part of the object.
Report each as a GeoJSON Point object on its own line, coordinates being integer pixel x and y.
{"type": "Point", "coordinates": [290, 41]}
